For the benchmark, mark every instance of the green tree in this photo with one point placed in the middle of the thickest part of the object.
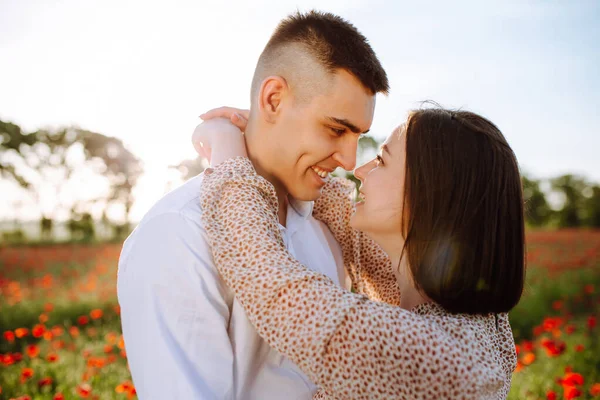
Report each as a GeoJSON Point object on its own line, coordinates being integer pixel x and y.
{"type": "Point", "coordinates": [120, 166]}
{"type": "Point", "coordinates": [537, 209]}
{"type": "Point", "coordinates": [44, 161]}
{"type": "Point", "coordinates": [81, 227]}
{"type": "Point", "coordinates": [46, 228]}
{"type": "Point", "coordinates": [591, 207]}
{"type": "Point", "coordinates": [571, 187]}
{"type": "Point", "coordinates": [12, 144]}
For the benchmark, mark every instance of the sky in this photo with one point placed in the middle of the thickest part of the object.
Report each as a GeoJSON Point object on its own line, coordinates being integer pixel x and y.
{"type": "Point", "coordinates": [143, 71]}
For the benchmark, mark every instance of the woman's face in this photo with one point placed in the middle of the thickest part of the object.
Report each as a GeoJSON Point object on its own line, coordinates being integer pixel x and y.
{"type": "Point", "coordinates": [379, 213]}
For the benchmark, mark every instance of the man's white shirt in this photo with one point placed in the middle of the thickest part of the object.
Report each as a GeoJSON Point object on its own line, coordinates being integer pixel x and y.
{"type": "Point", "coordinates": [186, 336]}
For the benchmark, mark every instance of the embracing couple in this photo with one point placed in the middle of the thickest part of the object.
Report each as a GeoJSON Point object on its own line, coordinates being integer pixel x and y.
{"type": "Point", "coordinates": [261, 279]}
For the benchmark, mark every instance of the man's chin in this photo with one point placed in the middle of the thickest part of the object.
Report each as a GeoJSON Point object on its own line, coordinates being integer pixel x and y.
{"type": "Point", "coordinates": [305, 194]}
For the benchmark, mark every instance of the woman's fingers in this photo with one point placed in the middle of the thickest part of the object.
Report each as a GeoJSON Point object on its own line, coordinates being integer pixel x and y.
{"type": "Point", "coordinates": [225, 112]}
{"type": "Point", "coordinates": [244, 113]}
{"type": "Point", "coordinates": [240, 121]}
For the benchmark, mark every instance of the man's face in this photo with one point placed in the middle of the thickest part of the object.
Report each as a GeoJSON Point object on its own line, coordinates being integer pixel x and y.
{"type": "Point", "coordinates": [312, 139]}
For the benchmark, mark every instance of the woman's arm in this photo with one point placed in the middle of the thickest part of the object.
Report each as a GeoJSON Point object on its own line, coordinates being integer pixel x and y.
{"type": "Point", "coordinates": [368, 265]}
{"type": "Point", "coordinates": [219, 139]}
{"type": "Point", "coordinates": [354, 348]}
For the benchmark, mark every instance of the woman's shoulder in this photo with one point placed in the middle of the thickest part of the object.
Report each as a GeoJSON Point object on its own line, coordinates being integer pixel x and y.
{"type": "Point", "coordinates": [467, 328]}
{"type": "Point", "coordinates": [484, 343]}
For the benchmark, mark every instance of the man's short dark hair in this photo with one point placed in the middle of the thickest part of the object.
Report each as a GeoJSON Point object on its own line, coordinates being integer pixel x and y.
{"type": "Point", "coordinates": [331, 41]}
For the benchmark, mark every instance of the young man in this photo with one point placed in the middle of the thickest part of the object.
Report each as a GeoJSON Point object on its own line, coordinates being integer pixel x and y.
{"type": "Point", "coordinates": [313, 94]}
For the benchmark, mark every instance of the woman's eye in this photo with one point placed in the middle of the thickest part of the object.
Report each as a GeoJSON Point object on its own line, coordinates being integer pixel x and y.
{"type": "Point", "coordinates": [379, 160]}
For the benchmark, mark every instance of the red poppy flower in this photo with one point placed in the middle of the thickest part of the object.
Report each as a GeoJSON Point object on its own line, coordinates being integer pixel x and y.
{"type": "Point", "coordinates": [557, 305]}
{"type": "Point", "coordinates": [551, 323]}
{"type": "Point", "coordinates": [33, 351]}
{"type": "Point", "coordinates": [26, 374]}
{"type": "Point", "coordinates": [528, 358]}
{"type": "Point", "coordinates": [9, 336]}
{"type": "Point", "coordinates": [96, 314]}
{"type": "Point", "coordinates": [57, 331]}
{"type": "Point", "coordinates": [38, 331]}
{"type": "Point", "coordinates": [572, 379]}
{"type": "Point", "coordinates": [47, 381]}
{"type": "Point", "coordinates": [527, 346]}
{"type": "Point", "coordinates": [21, 332]}
{"type": "Point", "coordinates": [572, 392]}
{"type": "Point", "coordinates": [589, 288]}
{"type": "Point", "coordinates": [84, 390]}
{"type": "Point", "coordinates": [553, 348]}
{"type": "Point", "coordinates": [132, 392]}
{"type": "Point", "coordinates": [123, 387]}
{"type": "Point", "coordinates": [8, 359]}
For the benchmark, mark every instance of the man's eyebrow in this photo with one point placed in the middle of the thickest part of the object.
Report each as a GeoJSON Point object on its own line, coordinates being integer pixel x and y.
{"type": "Point", "coordinates": [347, 124]}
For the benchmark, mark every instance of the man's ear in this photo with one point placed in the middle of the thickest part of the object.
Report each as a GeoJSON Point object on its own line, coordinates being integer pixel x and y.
{"type": "Point", "coordinates": [272, 92]}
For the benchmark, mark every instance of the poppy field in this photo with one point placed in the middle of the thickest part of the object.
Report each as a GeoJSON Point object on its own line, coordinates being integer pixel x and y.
{"type": "Point", "coordinates": [556, 323]}
{"type": "Point", "coordinates": [61, 335]}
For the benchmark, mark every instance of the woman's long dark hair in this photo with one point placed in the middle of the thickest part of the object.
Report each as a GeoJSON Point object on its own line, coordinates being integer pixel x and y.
{"type": "Point", "coordinates": [464, 224]}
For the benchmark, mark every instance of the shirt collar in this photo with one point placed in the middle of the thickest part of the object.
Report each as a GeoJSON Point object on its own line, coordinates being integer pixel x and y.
{"type": "Point", "coordinates": [302, 208]}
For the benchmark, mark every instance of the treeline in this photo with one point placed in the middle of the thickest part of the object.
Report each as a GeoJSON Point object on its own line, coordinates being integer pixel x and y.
{"type": "Point", "coordinates": [46, 163]}
{"type": "Point", "coordinates": [567, 201]}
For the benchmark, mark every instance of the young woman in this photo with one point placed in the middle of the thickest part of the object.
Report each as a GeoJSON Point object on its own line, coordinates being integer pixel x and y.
{"type": "Point", "coordinates": [435, 250]}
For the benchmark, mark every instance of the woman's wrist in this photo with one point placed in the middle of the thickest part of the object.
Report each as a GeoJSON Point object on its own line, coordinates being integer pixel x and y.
{"type": "Point", "coordinates": [228, 146]}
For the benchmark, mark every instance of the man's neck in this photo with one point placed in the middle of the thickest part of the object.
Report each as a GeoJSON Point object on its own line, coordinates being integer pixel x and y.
{"type": "Point", "coordinates": [255, 156]}
{"type": "Point", "coordinates": [282, 200]}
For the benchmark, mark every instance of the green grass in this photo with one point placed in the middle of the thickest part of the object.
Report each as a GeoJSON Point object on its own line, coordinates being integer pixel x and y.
{"type": "Point", "coordinates": [542, 289]}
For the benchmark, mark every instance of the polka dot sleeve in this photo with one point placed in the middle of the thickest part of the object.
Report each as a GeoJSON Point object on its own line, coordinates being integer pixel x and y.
{"type": "Point", "coordinates": [367, 264]}
{"type": "Point", "coordinates": [352, 347]}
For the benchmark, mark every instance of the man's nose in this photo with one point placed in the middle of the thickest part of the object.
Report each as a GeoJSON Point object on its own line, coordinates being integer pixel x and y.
{"type": "Point", "coordinates": [346, 155]}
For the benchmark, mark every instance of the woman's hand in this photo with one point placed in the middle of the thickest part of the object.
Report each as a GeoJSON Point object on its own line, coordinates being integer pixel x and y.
{"type": "Point", "coordinates": [237, 116]}
{"type": "Point", "coordinates": [218, 139]}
